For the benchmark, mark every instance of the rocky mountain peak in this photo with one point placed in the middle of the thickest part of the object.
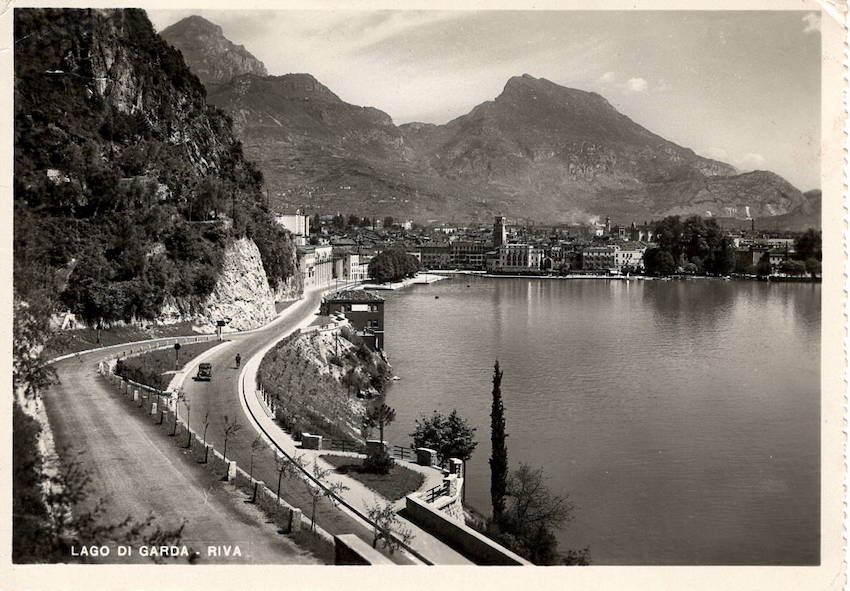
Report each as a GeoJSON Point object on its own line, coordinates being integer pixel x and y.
{"type": "Point", "coordinates": [208, 53]}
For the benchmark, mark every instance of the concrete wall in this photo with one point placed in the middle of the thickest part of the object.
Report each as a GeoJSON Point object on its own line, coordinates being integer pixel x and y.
{"type": "Point", "coordinates": [460, 536]}
{"type": "Point", "coordinates": [349, 550]}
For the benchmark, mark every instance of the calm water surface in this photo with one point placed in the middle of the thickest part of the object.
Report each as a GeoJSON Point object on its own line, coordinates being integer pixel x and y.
{"type": "Point", "coordinates": [681, 417]}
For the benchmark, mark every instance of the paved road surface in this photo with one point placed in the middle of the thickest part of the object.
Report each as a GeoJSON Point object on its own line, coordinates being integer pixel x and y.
{"type": "Point", "coordinates": [141, 471]}
{"type": "Point", "coordinates": [220, 398]}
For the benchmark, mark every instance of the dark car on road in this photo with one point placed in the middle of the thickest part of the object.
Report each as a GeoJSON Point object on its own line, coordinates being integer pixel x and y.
{"type": "Point", "coordinates": [204, 372]}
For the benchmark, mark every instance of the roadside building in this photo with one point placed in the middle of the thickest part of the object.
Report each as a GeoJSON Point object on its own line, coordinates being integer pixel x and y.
{"type": "Point", "coordinates": [356, 267]}
{"type": "Point", "coordinates": [316, 265]}
{"type": "Point", "coordinates": [364, 310]}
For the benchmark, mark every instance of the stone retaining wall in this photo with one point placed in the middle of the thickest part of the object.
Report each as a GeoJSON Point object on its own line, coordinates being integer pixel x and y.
{"type": "Point", "coordinates": [459, 536]}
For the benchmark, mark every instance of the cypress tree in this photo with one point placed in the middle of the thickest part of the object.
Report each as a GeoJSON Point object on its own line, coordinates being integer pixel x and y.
{"type": "Point", "coordinates": [499, 454]}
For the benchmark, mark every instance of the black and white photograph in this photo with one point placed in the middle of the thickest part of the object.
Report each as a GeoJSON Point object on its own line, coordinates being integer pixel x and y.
{"type": "Point", "coordinates": [405, 285]}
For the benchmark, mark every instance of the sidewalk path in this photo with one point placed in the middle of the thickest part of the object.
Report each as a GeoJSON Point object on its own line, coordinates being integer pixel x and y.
{"type": "Point", "coordinates": [358, 495]}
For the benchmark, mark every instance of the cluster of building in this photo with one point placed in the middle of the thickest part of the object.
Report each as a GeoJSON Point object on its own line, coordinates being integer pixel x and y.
{"type": "Point", "coordinates": [581, 248]}
{"type": "Point", "coordinates": [324, 263]}
{"type": "Point", "coordinates": [595, 247]}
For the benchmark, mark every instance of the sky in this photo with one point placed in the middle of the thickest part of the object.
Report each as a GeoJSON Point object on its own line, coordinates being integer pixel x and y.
{"type": "Point", "coordinates": [739, 86]}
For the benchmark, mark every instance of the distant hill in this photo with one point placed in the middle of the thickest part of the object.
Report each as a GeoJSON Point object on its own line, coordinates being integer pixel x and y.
{"type": "Point", "coordinates": [539, 151]}
{"type": "Point", "coordinates": [211, 56]}
{"type": "Point", "coordinates": [804, 216]}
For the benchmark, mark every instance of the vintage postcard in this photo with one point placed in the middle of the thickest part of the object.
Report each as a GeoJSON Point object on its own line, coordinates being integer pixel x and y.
{"type": "Point", "coordinates": [298, 287]}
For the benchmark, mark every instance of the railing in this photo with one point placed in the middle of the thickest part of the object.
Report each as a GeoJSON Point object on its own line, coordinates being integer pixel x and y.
{"type": "Point", "coordinates": [436, 492]}
{"type": "Point", "coordinates": [402, 453]}
{"type": "Point", "coordinates": [344, 445]}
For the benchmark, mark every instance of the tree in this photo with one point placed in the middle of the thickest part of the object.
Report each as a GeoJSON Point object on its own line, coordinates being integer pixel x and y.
{"type": "Point", "coordinates": [764, 268]}
{"type": "Point", "coordinates": [658, 262]}
{"type": "Point", "coordinates": [318, 488]}
{"type": "Point", "coordinates": [206, 425]}
{"type": "Point", "coordinates": [813, 267]}
{"type": "Point", "coordinates": [393, 265]}
{"type": "Point", "coordinates": [809, 245]}
{"type": "Point", "coordinates": [256, 446]}
{"type": "Point", "coordinates": [450, 435]}
{"type": "Point", "coordinates": [386, 527]}
{"type": "Point", "coordinates": [531, 514]}
{"type": "Point", "coordinates": [792, 267]}
{"type": "Point", "coordinates": [499, 453]}
{"type": "Point", "coordinates": [379, 462]}
{"type": "Point", "coordinates": [380, 416]}
{"type": "Point", "coordinates": [229, 428]}
{"type": "Point", "coordinates": [181, 398]}
{"type": "Point", "coordinates": [287, 466]}
{"type": "Point", "coordinates": [725, 257]}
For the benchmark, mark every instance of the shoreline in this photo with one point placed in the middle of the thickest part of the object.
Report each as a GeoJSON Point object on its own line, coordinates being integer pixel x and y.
{"type": "Point", "coordinates": [772, 279]}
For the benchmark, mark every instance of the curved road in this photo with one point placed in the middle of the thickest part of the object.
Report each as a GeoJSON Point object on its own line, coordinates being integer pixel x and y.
{"type": "Point", "coordinates": [219, 397]}
{"type": "Point", "coordinates": [139, 471]}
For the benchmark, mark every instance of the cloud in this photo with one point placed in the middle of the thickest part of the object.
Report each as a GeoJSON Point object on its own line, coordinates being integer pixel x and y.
{"type": "Point", "coordinates": [636, 85]}
{"type": "Point", "coordinates": [608, 77]}
{"type": "Point", "coordinates": [750, 161]}
{"type": "Point", "coordinates": [812, 20]}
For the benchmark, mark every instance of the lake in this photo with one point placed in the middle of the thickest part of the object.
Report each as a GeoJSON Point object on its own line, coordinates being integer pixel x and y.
{"type": "Point", "coordinates": [681, 417]}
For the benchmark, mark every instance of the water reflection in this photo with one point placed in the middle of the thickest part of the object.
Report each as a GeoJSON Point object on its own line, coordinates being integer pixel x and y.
{"type": "Point", "coordinates": [663, 408]}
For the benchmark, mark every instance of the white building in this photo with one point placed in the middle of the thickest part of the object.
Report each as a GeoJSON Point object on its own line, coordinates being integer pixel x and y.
{"type": "Point", "coordinates": [519, 257]}
{"type": "Point", "coordinates": [296, 223]}
{"type": "Point", "coordinates": [356, 267]}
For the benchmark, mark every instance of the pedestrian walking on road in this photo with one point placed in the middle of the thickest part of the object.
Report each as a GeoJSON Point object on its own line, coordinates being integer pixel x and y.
{"type": "Point", "coordinates": [238, 360]}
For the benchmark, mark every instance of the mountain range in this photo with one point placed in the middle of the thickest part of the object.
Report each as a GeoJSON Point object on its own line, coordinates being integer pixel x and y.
{"type": "Point", "coordinates": [539, 151]}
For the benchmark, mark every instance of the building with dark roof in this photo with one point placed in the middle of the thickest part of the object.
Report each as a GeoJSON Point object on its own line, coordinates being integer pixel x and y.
{"type": "Point", "coordinates": [363, 309]}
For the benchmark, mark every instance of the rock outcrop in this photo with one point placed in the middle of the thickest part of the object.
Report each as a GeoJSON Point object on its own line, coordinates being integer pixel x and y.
{"type": "Point", "coordinates": [241, 293]}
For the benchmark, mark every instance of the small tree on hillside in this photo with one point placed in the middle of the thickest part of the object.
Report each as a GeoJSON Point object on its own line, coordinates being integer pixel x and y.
{"type": "Point", "coordinates": [386, 527]}
{"type": "Point", "coordinates": [331, 490]}
{"type": "Point", "coordinates": [229, 429]}
{"type": "Point", "coordinates": [499, 454]}
{"type": "Point", "coordinates": [181, 398]}
{"type": "Point", "coordinates": [289, 467]}
{"type": "Point", "coordinates": [380, 462]}
{"type": "Point", "coordinates": [532, 513]}
{"type": "Point", "coordinates": [450, 436]}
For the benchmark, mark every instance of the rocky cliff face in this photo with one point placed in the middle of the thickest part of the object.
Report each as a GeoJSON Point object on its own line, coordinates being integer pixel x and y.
{"type": "Point", "coordinates": [210, 55]}
{"type": "Point", "coordinates": [241, 293]}
{"type": "Point", "coordinates": [114, 140]}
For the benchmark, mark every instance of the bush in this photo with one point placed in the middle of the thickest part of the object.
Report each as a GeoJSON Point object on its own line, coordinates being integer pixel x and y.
{"type": "Point", "coordinates": [379, 463]}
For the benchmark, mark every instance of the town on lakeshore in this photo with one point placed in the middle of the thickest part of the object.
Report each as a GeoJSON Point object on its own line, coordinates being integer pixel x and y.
{"type": "Point", "coordinates": [430, 310]}
{"type": "Point", "coordinates": [339, 248]}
